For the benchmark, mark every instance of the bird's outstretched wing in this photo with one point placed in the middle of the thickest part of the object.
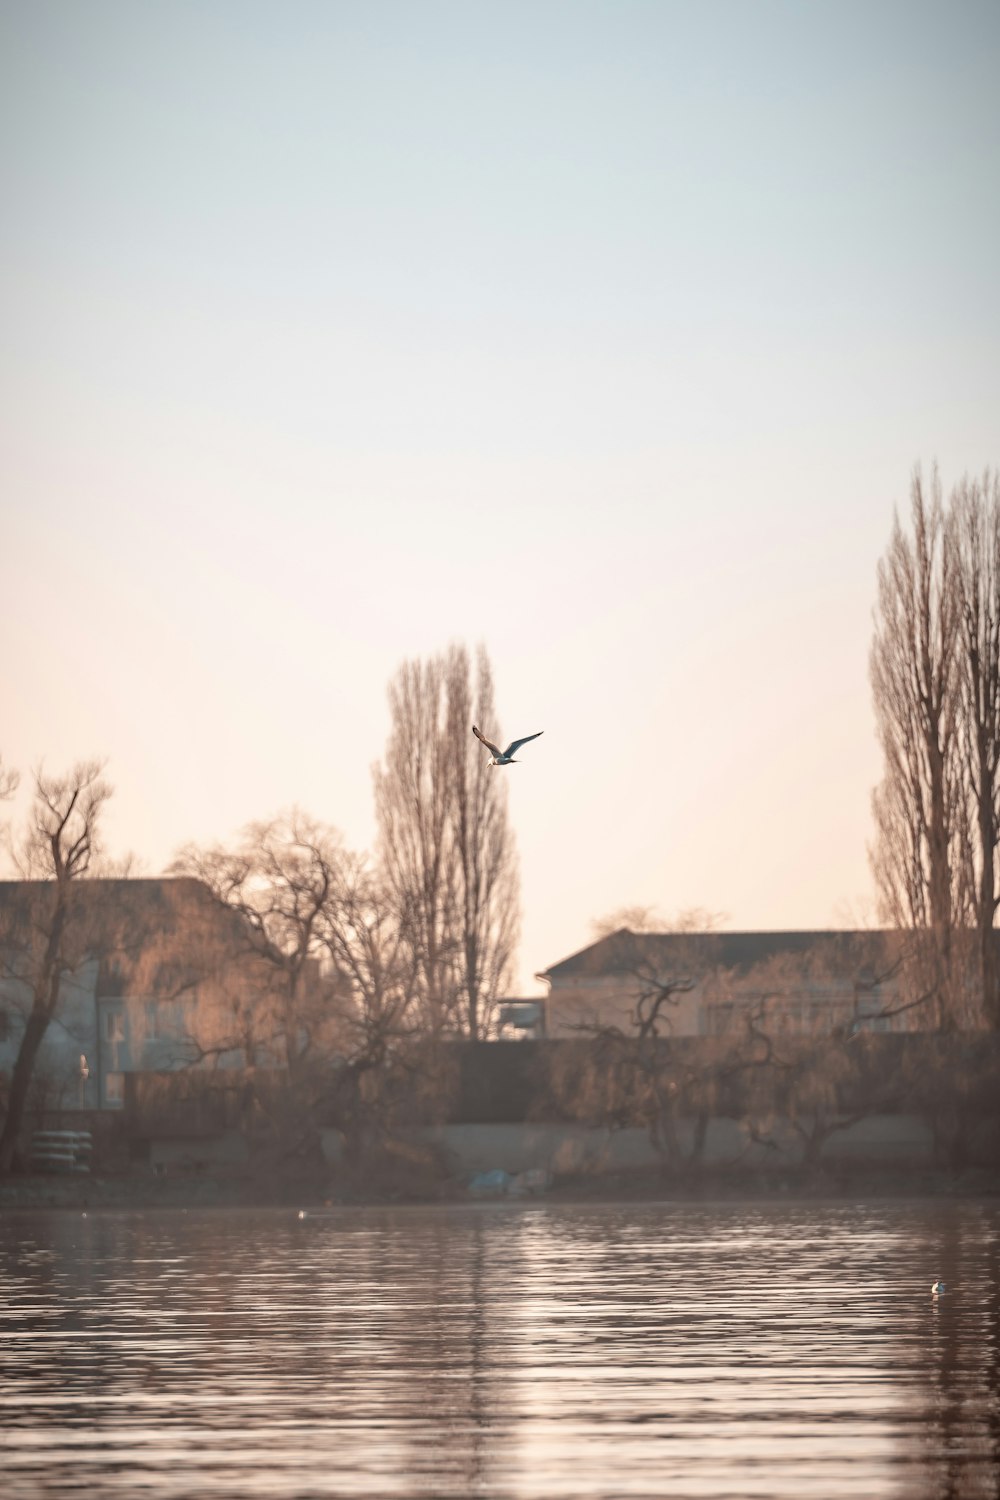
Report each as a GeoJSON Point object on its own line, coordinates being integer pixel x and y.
{"type": "Point", "coordinates": [516, 744]}
{"type": "Point", "coordinates": [488, 743]}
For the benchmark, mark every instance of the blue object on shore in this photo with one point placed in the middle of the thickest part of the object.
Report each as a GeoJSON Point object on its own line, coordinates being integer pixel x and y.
{"type": "Point", "coordinates": [490, 1184]}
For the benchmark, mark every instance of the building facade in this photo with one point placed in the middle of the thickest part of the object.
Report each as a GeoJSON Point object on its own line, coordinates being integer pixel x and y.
{"type": "Point", "coordinates": [155, 975]}
{"type": "Point", "coordinates": [705, 984]}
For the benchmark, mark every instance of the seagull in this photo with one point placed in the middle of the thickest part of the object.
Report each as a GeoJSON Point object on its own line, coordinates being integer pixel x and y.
{"type": "Point", "coordinates": [504, 757]}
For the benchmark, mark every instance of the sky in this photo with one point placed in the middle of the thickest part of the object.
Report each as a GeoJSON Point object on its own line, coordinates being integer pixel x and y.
{"type": "Point", "coordinates": [607, 333]}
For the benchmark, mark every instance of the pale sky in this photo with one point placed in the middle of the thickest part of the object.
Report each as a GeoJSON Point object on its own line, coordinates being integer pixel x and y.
{"type": "Point", "coordinates": [607, 332]}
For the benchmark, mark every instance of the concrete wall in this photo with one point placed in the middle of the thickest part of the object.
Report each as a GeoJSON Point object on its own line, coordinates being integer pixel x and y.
{"type": "Point", "coordinates": [571, 1149]}
{"type": "Point", "coordinates": [228, 1150]}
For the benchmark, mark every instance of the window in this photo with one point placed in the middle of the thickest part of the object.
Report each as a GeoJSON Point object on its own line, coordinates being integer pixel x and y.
{"type": "Point", "coordinates": [114, 1026]}
{"type": "Point", "coordinates": [114, 1089]}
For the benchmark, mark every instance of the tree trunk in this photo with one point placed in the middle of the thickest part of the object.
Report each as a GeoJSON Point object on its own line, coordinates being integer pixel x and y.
{"type": "Point", "coordinates": [985, 917]}
{"type": "Point", "coordinates": [700, 1135]}
{"type": "Point", "coordinates": [813, 1142]}
{"type": "Point", "coordinates": [24, 1067]}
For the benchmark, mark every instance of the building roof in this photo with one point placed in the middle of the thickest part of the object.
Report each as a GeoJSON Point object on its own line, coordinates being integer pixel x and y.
{"type": "Point", "coordinates": [151, 903]}
{"type": "Point", "coordinates": [623, 952]}
{"type": "Point", "coordinates": [163, 893]}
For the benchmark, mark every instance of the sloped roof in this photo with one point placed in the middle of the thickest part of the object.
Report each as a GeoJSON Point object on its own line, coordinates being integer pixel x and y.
{"type": "Point", "coordinates": [149, 897]}
{"type": "Point", "coordinates": [165, 893]}
{"type": "Point", "coordinates": [623, 952]}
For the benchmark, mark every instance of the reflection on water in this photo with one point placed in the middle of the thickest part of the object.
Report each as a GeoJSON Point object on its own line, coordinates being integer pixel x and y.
{"type": "Point", "coordinates": [501, 1350]}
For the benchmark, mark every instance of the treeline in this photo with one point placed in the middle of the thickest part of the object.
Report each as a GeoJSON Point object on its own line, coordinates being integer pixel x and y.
{"type": "Point", "coordinates": [375, 958]}
{"type": "Point", "coordinates": [789, 1101]}
{"type": "Point", "coordinates": [328, 952]}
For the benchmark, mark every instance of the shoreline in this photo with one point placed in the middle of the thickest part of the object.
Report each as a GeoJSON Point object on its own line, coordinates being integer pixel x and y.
{"type": "Point", "coordinates": [309, 1192]}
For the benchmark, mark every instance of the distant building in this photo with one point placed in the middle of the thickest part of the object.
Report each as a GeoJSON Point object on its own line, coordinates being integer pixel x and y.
{"type": "Point", "coordinates": [796, 982]}
{"type": "Point", "coordinates": [520, 1019]}
{"type": "Point", "coordinates": [162, 976]}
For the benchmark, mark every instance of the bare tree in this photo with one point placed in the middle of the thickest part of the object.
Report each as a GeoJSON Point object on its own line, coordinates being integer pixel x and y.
{"type": "Point", "coordinates": [630, 1074]}
{"type": "Point", "coordinates": [10, 780]}
{"type": "Point", "coordinates": [372, 954]}
{"type": "Point", "coordinates": [52, 926]}
{"type": "Point", "coordinates": [280, 879]}
{"type": "Point", "coordinates": [413, 793]}
{"type": "Point", "coordinates": [628, 919]}
{"type": "Point", "coordinates": [648, 919]}
{"type": "Point", "coordinates": [779, 1047]}
{"type": "Point", "coordinates": [486, 873]}
{"type": "Point", "coordinates": [203, 971]}
{"type": "Point", "coordinates": [377, 1001]}
{"type": "Point", "coordinates": [797, 1029]}
{"type": "Point", "coordinates": [444, 840]}
{"type": "Point", "coordinates": [974, 534]}
{"type": "Point", "coordinates": [919, 807]}
{"type": "Point", "coordinates": [935, 670]}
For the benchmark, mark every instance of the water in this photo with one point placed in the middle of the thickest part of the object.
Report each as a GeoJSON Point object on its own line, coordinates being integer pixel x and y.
{"type": "Point", "coordinates": [501, 1350]}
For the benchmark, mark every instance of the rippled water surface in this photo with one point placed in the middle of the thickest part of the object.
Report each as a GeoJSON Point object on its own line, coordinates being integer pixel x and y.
{"type": "Point", "coordinates": [502, 1350]}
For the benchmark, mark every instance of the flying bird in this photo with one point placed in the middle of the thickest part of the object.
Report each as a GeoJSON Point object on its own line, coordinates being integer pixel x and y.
{"type": "Point", "coordinates": [504, 757]}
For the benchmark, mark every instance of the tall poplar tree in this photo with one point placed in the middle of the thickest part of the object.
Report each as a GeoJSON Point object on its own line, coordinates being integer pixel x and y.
{"type": "Point", "coordinates": [974, 535]}
{"type": "Point", "coordinates": [935, 674]}
{"type": "Point", "coordinates": [445, 842]}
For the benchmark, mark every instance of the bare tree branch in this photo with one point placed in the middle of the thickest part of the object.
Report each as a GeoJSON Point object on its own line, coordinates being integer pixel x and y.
{"type": "Point", "coordinates": [10, 780]}
{"type": "Point", "coordinates": [279, 880]}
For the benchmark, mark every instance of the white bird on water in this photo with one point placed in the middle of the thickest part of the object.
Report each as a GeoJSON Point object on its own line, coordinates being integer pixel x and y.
{"type": "Point", "coordinates": [504, 757]}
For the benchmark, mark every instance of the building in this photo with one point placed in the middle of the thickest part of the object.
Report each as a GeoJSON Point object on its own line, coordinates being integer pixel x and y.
{"type": "Point", "coordinates": [520, 1018]}
{"type": "Point", "coordinates": [155, 975]}
{"type": "Point", "coordinates": [706, 983]}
